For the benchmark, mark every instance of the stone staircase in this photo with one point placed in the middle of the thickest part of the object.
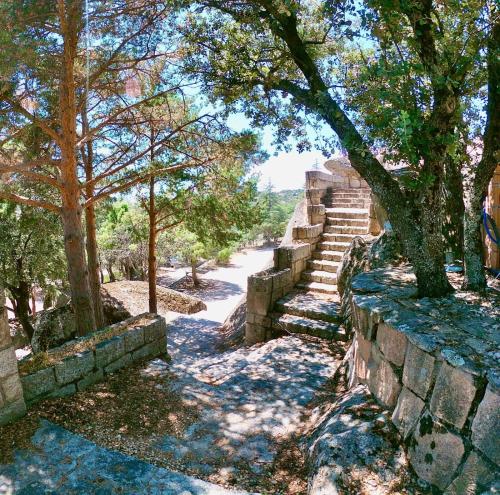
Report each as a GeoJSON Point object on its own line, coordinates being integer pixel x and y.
{"type": "Point", "coordinates": [312, 307]}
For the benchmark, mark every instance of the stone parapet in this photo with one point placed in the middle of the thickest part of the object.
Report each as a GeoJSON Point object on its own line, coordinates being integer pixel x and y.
{"type": "Point", "coordinates": [145, 337]}
{"type": "Point", "coordinates": [12, 405]}
{"type": "Point", "coordinates": [435, 364]}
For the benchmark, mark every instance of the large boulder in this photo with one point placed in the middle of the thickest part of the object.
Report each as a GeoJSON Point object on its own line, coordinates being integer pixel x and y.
{"type": "Point", "coordinates": [114, 310]}
{"type": "Point", "coordinates": [52, 328]}
{"type": "Point", "coordinates": [385, 250]}
{"type": "Point", "coordinates": [55, 326]}
{"type": "Point", "coordinates": [355, 260]}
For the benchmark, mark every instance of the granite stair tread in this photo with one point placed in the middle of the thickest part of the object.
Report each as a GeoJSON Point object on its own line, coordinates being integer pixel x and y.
{"type": "Point", "coordinates": [345, 229]}
{"type": "Point", "coordinates": [311, 306]}
{"type": "Point", "coordinates": [347, 210]}
{"type": "Point", "coordinates": [334, 246]}
{"type": "Point", "coordinates": [317, 287]}
{"type": "Point", "coordinates": [300, 324]}
{"type": "Point", "coordinates": [327, 255]}
{"type": "Point", "coordinates": [321, 276]}
{"type": "Point", "coordinates": [325, 265]}
{"type": "Point", "coordinates": [347, 222]}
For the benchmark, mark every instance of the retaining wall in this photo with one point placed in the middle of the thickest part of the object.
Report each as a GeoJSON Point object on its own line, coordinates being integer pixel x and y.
{"type": "Point", "coordinates": [12, 404]}
{"type": "Point", "coordinates": [80, 370]}
{"type": "Point", "coordinates": [435, 365]}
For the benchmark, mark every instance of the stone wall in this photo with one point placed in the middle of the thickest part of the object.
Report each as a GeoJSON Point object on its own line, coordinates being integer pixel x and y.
{"type": "Point", "coordinates": [435, 365]}
{"type": "Point", "coordinates": [317, 186]}
{"type": "Point", "coordinates": [12, 404]}
{"type": "Point", "coordinates": [80, 370]}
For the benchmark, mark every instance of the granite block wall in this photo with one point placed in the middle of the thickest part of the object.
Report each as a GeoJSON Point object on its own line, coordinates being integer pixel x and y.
{"type": "Point", "coordinates": [434, 364]}
{"type": "Point", "coordinates": [80, 370]}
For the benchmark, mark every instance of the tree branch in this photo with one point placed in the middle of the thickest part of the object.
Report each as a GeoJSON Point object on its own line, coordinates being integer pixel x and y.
{"type": "Point", "coordinates": [29, 202]}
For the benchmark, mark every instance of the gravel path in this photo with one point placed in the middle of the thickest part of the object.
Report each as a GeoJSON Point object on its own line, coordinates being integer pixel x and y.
{"type": "Point", "coordinates": [250, 402]}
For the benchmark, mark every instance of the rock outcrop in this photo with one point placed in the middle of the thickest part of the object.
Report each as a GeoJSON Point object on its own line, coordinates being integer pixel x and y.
{"type": "Point", "coordinates": [55, 326]}
{"type": "Point", "coordinates": [362, 255]}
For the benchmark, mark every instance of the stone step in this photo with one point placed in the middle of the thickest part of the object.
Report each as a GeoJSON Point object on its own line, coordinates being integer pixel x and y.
{"type": "Point", "coordinates": [321, 276]}
{"type": "Point", "coordinates": [328, 237]}
{"type": "Point", "coordinates": [300, 324]}
{"type": "Point", "coordinates": [354, 190]}
{"type": "Point", "coordinates": [333, 246]}
{"type": "Point", "coordinates": [347, 222]}
{"type": "Point", "coordinates": [325, 265]}
{"type": "Point", "coordinates": [349, 213]}
{"type": "Point", "coordinates": [346, 204]}
{"type": "Point", "coordinates": [343, 229]}
{"type": "Point", "coordinates": [347, 197]}
{"type": "Point", "coordinates": [309, 305]}
{"type": "Point", "coordinates": [327, 255]}
{"type": "Point", "coordinates": [317, 287]}
{"type": "Point", "coordinates": [343, 196]}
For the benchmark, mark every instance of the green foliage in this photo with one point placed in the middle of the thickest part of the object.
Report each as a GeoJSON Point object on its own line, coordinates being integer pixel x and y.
{"type": "Point", "coordinates": [276, 210]}
{"type": "Point", "coordinates": [31, 247]}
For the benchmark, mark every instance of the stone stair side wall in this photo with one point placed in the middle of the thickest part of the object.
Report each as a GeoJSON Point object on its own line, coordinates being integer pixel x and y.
{"type": "Point", "coordinates": [12, 404]}
{"type": "Point", "coordinates": [290, 260]}
{"type": "Point", "coordinates": [446, 409]}
{"type": "Point", "coordinates": [267, 287]}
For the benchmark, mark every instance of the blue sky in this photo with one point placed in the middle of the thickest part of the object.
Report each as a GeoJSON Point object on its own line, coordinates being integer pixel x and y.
{"type": "Point", "coordinates": [285, 170]}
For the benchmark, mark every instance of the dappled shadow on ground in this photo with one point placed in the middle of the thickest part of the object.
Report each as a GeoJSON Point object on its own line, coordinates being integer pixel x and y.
{"type": "Point", "coordinates": [251, 402]}
{"type": "Point", "coordinates": [66, 464]}
{"type": "Point", "coordinates": [209, 289]}
{"type": "Point", "coordinates": [192, 338]}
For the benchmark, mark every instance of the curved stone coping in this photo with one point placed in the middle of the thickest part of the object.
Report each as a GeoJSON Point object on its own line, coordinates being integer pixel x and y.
{"type": "Point", "coordinates": [436, 364]}
{"type": "Point", "coordinates": [77, 371]}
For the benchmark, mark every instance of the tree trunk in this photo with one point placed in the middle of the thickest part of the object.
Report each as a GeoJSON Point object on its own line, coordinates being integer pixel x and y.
{"type": "Point", "coordinates": [194, 274]}
{"type": "Point", "coordinates": [93, 265]}
{"type": "Point", "coordinates": [71, 211]}
{"type": "Point", "coordinates": [475, 278]}
{"type": "Point", "coordinates": [90, 227]}
{"type": "Point", "coordinates": [453, 228]}
{"type": "Point", "coordinates": [33, 301]}
{"type": "Point", "coordinates": [77, 269]}
{"type": "Point", "coordinates": [22, 296]}
{"type": "Point", "coordinates": [112, 277]}
{"type": "Point", "coordinates": [476, 188]}
{"type": "Point", "coordinates": [153, 304]}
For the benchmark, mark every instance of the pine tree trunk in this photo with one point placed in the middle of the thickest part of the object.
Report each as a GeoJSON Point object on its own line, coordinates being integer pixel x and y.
{"type": "Point", "coordinates": [77, 268]}
{"type": "Point", "coordinates": [93, 265]}
{"type": "Point", "coordinates": [153, 304]}
{"type": "Point", "coordinates": [71, 211]}
{"type": "Point", "coordinates": [112, 276]}
{"type": "Point", "coordinates": [33, 302]}
{"type": "Point", "coordinates": [21, 296]}
{"type": "Point", "coordinates": [90, 228]}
